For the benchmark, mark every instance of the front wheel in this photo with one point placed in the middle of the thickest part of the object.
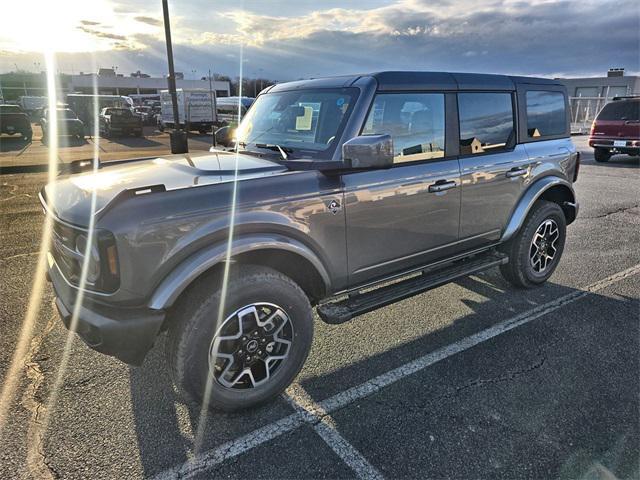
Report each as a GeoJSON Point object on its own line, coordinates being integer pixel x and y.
{"type": "Point", "coordinates": [601, 154]}
{"type": "Point", "coordinates": [535, 251]}
{"type": "Point", "coordinates": [249, 352]}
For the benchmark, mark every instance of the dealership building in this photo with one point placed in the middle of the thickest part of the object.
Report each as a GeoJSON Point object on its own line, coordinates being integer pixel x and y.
{"type": "Point", "coordinates": [588, 95]}
{"type": "Point", "coordinates": [110, 83]}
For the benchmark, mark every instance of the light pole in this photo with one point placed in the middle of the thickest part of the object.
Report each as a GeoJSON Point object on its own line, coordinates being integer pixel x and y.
{"type": "Point", "coordinates": [177, 137]}
{"type": "Point", "coordinates": [214, 110]}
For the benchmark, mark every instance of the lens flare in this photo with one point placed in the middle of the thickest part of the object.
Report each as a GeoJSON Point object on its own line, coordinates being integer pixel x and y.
{"type": "Point", "coordinates": [45, 417]}
{"type": "Point", "coordinates": [202, 420]}
{"type": "Point", "coordinates": [17, 361]}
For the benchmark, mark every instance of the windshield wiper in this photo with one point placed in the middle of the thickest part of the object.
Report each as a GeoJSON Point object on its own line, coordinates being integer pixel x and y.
{"type": "Point", "coordinates": [271, 146]}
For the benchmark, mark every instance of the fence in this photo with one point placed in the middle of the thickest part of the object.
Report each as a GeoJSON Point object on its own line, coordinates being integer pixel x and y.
{"type": "Point", "coordinates": [584, 111]}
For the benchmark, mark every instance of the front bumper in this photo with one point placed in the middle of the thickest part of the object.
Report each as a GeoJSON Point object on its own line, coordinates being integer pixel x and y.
{"type": "Point", "coordinates": [125, 333]}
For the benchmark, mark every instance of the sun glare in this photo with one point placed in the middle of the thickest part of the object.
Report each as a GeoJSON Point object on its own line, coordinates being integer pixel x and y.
{"type": "Point", "coordinates": [62, 26]}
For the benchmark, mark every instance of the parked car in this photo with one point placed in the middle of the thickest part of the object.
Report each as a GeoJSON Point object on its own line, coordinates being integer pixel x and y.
{"type": "Point", "coordinates": [87, 106]}
{"type": "Point", "coordinates": [146, 114]}
{"type": "Point", "coordinates": [13, 120]}
{"type": "Point", "coordinates": [68, 124]}
{"type": "Point", "coordinates": [352, 193]}
{"type": "Point", "coordinates": [228, 109]}
{"type": "Point", "coordinates": [616, 129]}
{"type": "Point", "coordinates": [119, 121]}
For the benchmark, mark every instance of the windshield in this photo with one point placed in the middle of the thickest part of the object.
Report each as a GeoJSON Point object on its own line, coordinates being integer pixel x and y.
{"type": "Point", "coordinates": [305, 122]}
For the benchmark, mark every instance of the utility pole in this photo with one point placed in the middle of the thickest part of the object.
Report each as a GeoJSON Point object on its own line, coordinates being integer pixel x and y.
{"type": "Point", "coordinates": [178, 137]}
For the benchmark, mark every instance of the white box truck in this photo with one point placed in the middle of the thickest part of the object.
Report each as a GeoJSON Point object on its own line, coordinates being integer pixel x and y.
{"type": "Point", "coordinates": [195, 110]}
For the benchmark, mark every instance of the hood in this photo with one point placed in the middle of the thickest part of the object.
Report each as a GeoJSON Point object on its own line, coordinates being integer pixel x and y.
{"type": "Point", "coordinates": [70, 198]}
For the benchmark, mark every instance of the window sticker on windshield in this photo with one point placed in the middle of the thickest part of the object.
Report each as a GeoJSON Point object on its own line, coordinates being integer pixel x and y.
{"type": "Point", "coordinates": [304, 122]}
{"type": "Point", "coordinates": [340, 102]}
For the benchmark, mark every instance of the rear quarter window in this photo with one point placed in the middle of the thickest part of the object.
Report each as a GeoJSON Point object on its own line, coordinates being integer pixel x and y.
{"type": "Point", "coordinates": [486, 122]}
{"type": "Point", "coordinates": [546, 114]}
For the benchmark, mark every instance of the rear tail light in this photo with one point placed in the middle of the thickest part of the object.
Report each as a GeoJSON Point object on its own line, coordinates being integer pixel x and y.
{"type": "Point", "coordinates": [593, 127]}
{"type": "Point", "coordinates": [577, 167]}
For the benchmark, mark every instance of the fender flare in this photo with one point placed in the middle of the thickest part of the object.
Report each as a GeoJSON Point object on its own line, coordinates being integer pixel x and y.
{"type": "Point", "coordinates": [191, 268]}
{"type": "Point", "coordinates": [533, 193]}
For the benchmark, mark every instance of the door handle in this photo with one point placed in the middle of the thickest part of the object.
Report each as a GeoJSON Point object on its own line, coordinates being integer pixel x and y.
{"type": "Point", "coordinates": [516, 172]}
{"type": "Point", "coordinates": [441, 186]}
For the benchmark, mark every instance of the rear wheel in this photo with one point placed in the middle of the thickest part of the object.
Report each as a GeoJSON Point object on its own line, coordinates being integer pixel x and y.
{"type": "Point", "coordinates": [601, 154]}
{"type": "Point", "coordinates": [535, 251]}
{"type": "Point", "coordinates": [252, 351]}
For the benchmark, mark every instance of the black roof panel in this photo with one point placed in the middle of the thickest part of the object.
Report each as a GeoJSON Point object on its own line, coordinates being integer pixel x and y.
{"type": "Point", "coordinates": [404, 80]}
{"type": "Point", "coordinates": [415, 81]}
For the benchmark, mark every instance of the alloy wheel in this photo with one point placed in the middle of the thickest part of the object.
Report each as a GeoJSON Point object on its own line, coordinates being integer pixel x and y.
{"type": "Point", "coordinates": [543, 247]}
{"type": "Point", "coordinates": [250, 346]}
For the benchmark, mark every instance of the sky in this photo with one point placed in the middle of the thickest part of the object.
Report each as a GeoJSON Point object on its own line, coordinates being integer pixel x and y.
{"type": "Point", "coordinates": [290, 39]}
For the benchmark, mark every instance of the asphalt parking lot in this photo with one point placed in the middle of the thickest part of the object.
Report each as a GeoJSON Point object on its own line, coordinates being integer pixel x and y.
{"type": "Point", "coordinates": [471, 380]}
{"type": "Point", "coordinates": [16, 153]}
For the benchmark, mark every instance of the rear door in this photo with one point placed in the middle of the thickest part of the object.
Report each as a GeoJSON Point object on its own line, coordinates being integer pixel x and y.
{"type": "Point", "coordinates": [407, 215]}
{"type": "Point", "coordinates": [493, 168]}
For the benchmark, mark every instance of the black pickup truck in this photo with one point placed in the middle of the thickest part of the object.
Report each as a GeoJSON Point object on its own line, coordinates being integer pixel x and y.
{"type": "Point", "coordinates": [120, 121]}
{"type": "Point", "coordinates": [14, 120]}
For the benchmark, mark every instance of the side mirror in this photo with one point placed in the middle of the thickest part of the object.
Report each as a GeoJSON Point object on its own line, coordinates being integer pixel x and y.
{"type": "Point", "coordinates": [224, 136]}
{"type": "Point", "coordinates": [368, 151]}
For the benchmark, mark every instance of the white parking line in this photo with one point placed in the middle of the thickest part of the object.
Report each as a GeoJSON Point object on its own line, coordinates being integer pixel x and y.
{"type": "Point", "coordinates": [326, 428]}
{"type": "Point", "coordinates": [273, 430]}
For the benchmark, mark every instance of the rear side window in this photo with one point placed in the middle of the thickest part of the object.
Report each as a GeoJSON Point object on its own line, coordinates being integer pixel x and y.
{"type": "Point", "coordinates": [486, 122]}
{"type": "Point", "coordinates": [415, 121]}
{"type": "Point", "coordinates": [621, 110]}
{"type": "Point", "coordinates": [546, 114]}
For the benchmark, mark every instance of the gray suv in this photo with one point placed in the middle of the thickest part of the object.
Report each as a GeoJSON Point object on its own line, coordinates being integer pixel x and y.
{"type": "Point", "coordinates": [341, 194]}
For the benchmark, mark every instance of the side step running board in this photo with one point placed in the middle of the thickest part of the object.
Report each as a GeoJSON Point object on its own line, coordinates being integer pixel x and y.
{"type": "Point", "coordinates": [359, 303]}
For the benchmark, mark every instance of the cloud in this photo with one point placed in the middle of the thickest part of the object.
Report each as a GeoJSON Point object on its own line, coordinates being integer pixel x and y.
{"type": "Point", "coordinates": [537, 37]}
{"type": "Point", "coordinates": [89, 23]}
{"type": "Point", "coordinates": [101, 34]}
{"type": "Point", "coordinates": [148, 20]}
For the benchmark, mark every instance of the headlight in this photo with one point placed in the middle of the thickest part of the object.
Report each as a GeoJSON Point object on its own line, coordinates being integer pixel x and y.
{"type": "Point", "coordinates": [72, 254]}
{"type": "Point", "coordinates": [92, 260]}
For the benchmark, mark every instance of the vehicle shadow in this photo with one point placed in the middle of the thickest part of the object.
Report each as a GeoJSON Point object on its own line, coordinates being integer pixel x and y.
{"type": "Point", "coordinates": [65, 141]}
{"type": "Point", "coordinates": [618, 161]}
{"type": "Point", "coordinates": [13, 144]}
{"type": "Point", "coordinates": [134, 142]}
{"type": "Point", "coordinates": [165, 424]}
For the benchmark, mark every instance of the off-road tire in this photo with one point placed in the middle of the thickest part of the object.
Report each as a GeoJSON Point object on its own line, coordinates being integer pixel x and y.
{"type": "Point", "coordinates": [519, 270]}
{"type": "Point", "coordinates": [601, 155]}
{"type": "Point", "coordinates": [193, 326]}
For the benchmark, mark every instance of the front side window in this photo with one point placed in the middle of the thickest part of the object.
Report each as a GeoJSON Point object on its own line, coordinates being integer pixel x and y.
{"type": "Point", "coordinates": [415, 121]}
{"type": "Point", "coordinates": [305, 122]}
{"type": "Point", "coordinates": [545, 113]}
{"type": "Point", "coordinates": [486, 122]}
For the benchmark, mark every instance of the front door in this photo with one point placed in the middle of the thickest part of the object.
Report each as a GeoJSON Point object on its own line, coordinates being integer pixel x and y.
{"type": "Point", "coordinates": [407, 215]}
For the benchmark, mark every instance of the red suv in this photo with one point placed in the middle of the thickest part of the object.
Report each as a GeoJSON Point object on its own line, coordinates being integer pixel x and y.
{"type": "Point", "coordinates": [616, 129]}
